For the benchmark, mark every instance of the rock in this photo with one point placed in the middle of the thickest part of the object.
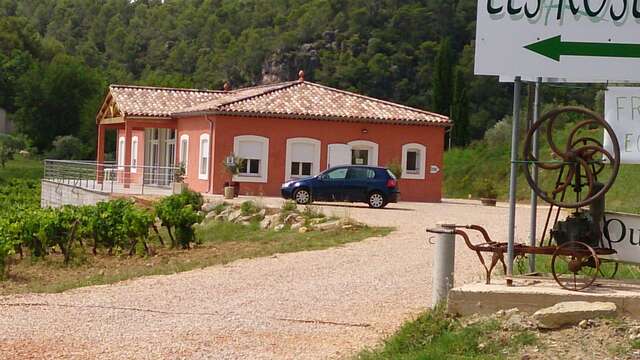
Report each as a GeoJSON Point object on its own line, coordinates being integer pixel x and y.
{"type": "Point", "coordinates": [265, 223]}
{"type": "Point", "coordinates": [297, 226]}
{"type": "Point", "coordinates": [279, 227]}
{"type": "Point", "coordinates": [347, 227]}
{"type": "Point", "coordinates": [246, 223]}
{"type": "Point", "coordinates": [246, 218]}
{"type": "Point", "coordinates": [516, 321]}
{"type": "Point", "coordinates": [316, 221]}
{"type": "Point", "coordinates": [234, 215]}
{"type": "Point", "coordinates": [290, 219]}
{"type": "Point", "coordinates": [572, 312]}
{"type": "Point", "coordinates": [220, 217]}
{"type": "Point", "coordinates": [328, 225]}
{"type": "Point", "coordinates": [303, 230]}
{"type": "Point", "coordinates": [299, 218]}
{"type": "Point", "coordinates": [211, 215]}
{"type": "Point", "coordinates": [208, 207]}
{"type": "Point", "coordinates": [262, 213]}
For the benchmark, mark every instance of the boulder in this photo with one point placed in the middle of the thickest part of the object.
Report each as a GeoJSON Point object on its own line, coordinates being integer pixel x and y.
{"type": "Point", "coordinates": [220, 217]}
{"type": "Point", "coordinates": [297, 226]}
{"type": "Point", "coordinates": [316, 221]}
{"type": "Point", "coordinates": [265, 223]}
{"type": "Point", "coordinates": [303, 230]}
{"type": "Point", "coordinates": [290, 219]}
{"type": "Point", "coordinates": [279, 227]}
{"type": "Point", "coordinates": [328, 225]}
{"type": "Point", "coordinates": [262, 213]}
{"type": "Point", "coordinates": [208, 207]}
{"type": "Point", "coordinates": [572, 312]}
{"type": "Point", "coordinates": [246, 218]}
{"type": "Point", "coordinates": [211, 215]}
{"type": "Point", "coordinates": [234, 215]}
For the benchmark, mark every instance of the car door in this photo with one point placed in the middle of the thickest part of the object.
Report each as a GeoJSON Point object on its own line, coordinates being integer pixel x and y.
{"type": "Point", "coordinates": [357, 184]}
{"type": "Point", "coordinates": [330, 185]}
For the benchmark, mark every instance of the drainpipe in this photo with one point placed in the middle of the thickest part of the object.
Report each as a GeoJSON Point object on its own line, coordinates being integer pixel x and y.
{"type": "Point", "coordinates": [210, 191]}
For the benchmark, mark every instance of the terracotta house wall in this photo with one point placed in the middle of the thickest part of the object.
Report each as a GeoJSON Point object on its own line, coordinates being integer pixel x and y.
{"type": "Point", "coordinates": [194, 127]}
{"type": "Point", "coordinates": [389, 138]}
{"type": "Point", "coordinates": [137, 176]}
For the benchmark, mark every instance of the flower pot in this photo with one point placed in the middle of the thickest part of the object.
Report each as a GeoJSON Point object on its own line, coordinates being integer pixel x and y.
{"type": "Point", "coordinates": [178, 187]}
{"type": "Point", "coordinates": [488, 201]}
{"type": "Point", "coordinates": [229, 192]}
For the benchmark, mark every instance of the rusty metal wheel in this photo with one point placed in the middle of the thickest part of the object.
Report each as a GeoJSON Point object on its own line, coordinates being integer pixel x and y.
{"type": "Point", "coordinates": [578, 163]}
{"type": "Point", "coordinates": [570, 262]}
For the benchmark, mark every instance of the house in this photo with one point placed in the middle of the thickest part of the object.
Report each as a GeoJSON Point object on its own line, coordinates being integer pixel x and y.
{"type": "Point", "coordinates": [282, 131]}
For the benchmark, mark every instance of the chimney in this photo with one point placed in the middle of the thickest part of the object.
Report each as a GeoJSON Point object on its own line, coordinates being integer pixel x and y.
{"type": "Point", "coordinates": [301, 76]}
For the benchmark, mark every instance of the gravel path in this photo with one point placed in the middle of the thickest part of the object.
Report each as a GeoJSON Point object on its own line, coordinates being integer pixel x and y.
{"type": "Point", "coordinates": [307, 305]}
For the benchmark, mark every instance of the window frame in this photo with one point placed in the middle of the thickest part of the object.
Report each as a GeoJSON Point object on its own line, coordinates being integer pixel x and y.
{"type": "Point", "coordinates": [315, 163]}
{"type": "Point", "coordinates": [134, 154]}
{"type": "Point", "coordinates": [204, 175]}
{"type": "Point", "coordinates": [263, 170]}
{"type": "Point", "coordinates": [184, 150]}
{"type": "Point", "coordinates": [421, 161]}
{"type": "Point", "coordinates": [122, 143]}
{"type": "Point", "coordinates": [370, 146]}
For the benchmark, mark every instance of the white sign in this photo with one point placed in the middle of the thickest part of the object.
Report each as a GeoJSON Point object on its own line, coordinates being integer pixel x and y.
{"type": "Point", "coordinates": [622, 231]}
{"type": "Point", "coordinates": [434, 169]}
{"type": "Point", "coordinates": [622, 112]}
{"type": "Point", "coordinates": [573, 40]}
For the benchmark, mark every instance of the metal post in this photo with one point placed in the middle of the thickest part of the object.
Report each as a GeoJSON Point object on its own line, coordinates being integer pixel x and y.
{"type": "Point", "coordinates": [515, 130]}
{"type": "Point", "coordinates": [444, 259]}
{"type": "Point", "coordinates": [534, 175]}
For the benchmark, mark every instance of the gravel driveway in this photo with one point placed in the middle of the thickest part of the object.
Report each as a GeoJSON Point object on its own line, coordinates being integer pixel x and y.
{"type": "Point", "coordinates": [307, 305]}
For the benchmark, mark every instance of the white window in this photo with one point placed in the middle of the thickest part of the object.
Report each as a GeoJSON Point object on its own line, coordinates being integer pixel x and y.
{"type": "Point", "coordinates": [364, 153]}
{"type": "Point", "coordinates": [203, 172]}
{"type": "Point", "coordinates": [134, 154]}
{"type": "Point", "coordinates": [254, 152]}
{"type": "Point", "coordinates": [303, 158]}
{"type": "Point", "coordinates": [184, 152]}
{"type": "Point", "coordinates": [414, 158]}
{"type": "Point", "coordinates": [121, 145]}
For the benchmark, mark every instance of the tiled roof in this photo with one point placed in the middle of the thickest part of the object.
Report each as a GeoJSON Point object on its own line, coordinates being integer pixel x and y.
{"type": "Point", "coordinates": [156, 101]}
{"type": "Point", "coordinates": [298, 99]}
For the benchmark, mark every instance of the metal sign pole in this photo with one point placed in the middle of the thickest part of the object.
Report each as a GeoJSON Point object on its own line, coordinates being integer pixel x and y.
{"type": "Point", "coordinates": [534, 197]}
{"type": "Point", "coordinates": [515, 130]}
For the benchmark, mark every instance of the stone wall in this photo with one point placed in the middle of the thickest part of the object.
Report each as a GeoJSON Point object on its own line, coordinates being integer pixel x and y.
{"type": "Point", "coordinates": [56, 195]}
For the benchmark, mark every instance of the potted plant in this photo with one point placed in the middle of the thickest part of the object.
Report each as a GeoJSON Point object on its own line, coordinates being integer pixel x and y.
{"type": "Point", "coordinates": [486, 192]}
{"type": "Point", "coordinates": [178, 185]}
{"type": "Point", "coordinates": [232, 164]}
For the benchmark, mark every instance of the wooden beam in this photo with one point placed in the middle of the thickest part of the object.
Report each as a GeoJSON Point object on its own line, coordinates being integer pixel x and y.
{"type": "Point", "coordinates": [112, 120]}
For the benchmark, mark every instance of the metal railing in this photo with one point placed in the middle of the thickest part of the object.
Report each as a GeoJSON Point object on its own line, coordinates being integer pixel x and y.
{"type": "Point", "coordinates": [109, 177]}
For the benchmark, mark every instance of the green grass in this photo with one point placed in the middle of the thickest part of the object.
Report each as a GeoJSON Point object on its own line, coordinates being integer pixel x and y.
{"type": "Point", "coordinates": [543, 265]}
{"type": "Point", "coordinates": [22, 168]}
{"type": "Point", "coordinates": [434, 335]}
{"type": "Point", "coordinates": [221, 243]}
{"type": "Point", "coordinates": [465, 166]}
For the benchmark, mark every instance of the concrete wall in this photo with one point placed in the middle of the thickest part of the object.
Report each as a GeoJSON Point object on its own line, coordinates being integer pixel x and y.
{"type": "Point", "coordinates": [56, 195]}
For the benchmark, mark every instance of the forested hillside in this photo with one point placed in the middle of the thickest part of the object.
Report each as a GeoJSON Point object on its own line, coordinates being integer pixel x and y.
{"type": "Point", "coordinates": [58, 56]}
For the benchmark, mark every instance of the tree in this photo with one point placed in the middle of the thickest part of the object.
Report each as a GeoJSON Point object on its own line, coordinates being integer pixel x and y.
{"type": "Point", "coordinates": [460, 110]}
{"type": "Point", "coordinates": [442, 82]}
{"type": "Point", "coordinates": [53, 98]}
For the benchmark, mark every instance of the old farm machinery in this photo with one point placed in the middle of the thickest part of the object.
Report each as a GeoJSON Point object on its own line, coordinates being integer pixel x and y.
{"type": "Point", "coordinates": [583, 171]}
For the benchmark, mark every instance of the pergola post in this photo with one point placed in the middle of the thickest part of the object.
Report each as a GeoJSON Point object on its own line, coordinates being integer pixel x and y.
{"type": "Point", "coordinates": [128, 134]}
{"type": "Point", "coordinates": [100, 154]}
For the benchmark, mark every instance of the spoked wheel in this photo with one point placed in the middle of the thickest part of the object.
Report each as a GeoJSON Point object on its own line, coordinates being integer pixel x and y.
{"type": "Point", "coordinates": [608, 269]}
{"type": "Point", "coordinates": [578, 162]}
{"type": "Point", "coordinates": [302, 196]}
{"type": "Point", "coordinates": [575, 265]}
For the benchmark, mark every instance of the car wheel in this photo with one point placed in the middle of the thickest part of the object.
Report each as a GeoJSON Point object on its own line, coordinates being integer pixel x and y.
{"type": "Point", "coordinates": [302, 196]}
{"type": "Point", "coordinates": [377, 200]}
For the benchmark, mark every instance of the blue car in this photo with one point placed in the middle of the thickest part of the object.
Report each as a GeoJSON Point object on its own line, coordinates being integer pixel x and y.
{"type": "Point", "coordinates": [375, 186]}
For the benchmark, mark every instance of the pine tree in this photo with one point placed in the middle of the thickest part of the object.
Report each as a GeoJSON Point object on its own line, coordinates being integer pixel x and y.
{"type": "Point", "coordinates": [460, 110]}
{"type": "Point", "coordinates": [442, 84]}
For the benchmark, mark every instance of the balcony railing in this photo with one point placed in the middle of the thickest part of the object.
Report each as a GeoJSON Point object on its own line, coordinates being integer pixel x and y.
{"type": "Point", "coordinates": [110, 177]}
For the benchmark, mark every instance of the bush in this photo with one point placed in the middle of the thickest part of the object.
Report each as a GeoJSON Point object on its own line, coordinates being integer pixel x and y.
{"type": "Point", "coordinates": [484, 188]}
{"type": "Point", "coordinates": [395, 167]}
{"type": "Point", "coordinates": [9, 146]}
{"type": "Point", "coordinates": [289, 206]}
{"type": "Point", "coordinates": [248, 208]}
{"type": "Point", "coordinates": [180, 212]}
{"type": "Point", "coordinates": [68, 148]}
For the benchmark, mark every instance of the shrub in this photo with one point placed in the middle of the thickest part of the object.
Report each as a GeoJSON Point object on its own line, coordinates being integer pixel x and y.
{"type": "Point", "coordinates": [395, 167]}
{"type": "Point", "coordinates": [68, 148]}
{"type": "Point", "coordinates": [9, 146]}
{"type": "Point", "coordinates": [484, 188]}
{"type": "Point", "coordinates": [248, 208]}
{"type": "Point", "coordinates": [180, 212]}
{"type": "Point", "coordinates": [289, 206]}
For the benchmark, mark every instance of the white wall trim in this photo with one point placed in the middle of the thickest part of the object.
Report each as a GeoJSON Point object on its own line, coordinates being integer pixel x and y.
{"type": "Point", "coordinates": [366, 145]}
{"type": "Point", "coordinates": [201, 152]}
{"type": "Point", "coordinates": [422, 161]}
{"type": "Point", "coordinates": [186, 154]}
{"type": "Point", "coordinates": [315, 168]}
{"type": "Point", "coordinates": [264, 159]}
{"type": "Point", "coordinates": [122, 143]}
{"type": "Point", "coordinates": [134, 154]}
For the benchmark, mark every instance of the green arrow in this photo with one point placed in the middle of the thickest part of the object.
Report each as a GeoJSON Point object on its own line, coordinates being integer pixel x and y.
{"type": "Point", "coordinates": [554, 48]}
